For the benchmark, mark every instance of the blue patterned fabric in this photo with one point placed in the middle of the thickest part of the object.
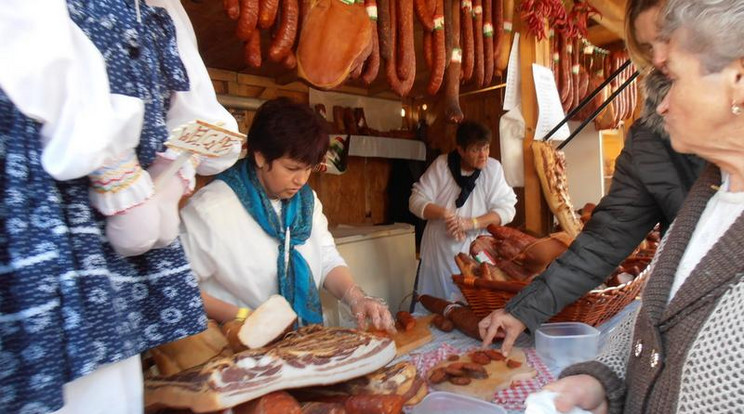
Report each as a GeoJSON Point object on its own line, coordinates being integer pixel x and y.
{"type": "Point", "coordinates": [296, 281]}
{"type": "Point", "coordinates": [68, 302]}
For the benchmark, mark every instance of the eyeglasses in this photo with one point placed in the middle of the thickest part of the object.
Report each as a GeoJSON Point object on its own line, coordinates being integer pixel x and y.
{"type": "Point", "coordinates": [477, 150]}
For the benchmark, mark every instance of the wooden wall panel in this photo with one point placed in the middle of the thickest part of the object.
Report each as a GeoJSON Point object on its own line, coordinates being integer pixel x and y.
{"type": "Point", "coordinates": [359, 196]}
{"type": "Point", "coordinates": [538, 218]}
{"type": "Point", "coordinates": [377, 176]}
{"type": "Point", "coordinates": [486, 108]}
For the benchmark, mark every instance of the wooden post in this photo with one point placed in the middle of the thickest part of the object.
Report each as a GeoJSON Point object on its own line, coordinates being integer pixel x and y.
{"type": "Point", "coordinates": [537, 214]}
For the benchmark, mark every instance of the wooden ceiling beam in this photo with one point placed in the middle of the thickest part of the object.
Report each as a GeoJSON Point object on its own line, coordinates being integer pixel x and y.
{"type": "Point", "coordinates": [610, 9]}
{"type": "Point", "coordinates": [244, 78]}
{"type": "Point", "coordinates": [285, 78]}
{"type": "Point", "coordinates": [601, 36]}
{"type": "Point", "coordinates": [612, 15]}
{"type": "Point", "coordinates": [379, 86]}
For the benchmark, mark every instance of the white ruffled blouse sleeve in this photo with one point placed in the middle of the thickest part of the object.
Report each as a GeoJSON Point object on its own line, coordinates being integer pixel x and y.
{"type": "Point", "coordinates": [58, 78]}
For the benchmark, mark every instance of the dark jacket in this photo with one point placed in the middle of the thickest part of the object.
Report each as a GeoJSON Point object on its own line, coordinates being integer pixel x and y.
{"type": "Point", "coordinates": [650, 182]}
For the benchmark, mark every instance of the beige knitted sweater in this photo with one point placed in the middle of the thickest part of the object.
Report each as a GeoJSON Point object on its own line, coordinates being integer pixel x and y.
{"type": "Point", "coordinates": [684, 356]}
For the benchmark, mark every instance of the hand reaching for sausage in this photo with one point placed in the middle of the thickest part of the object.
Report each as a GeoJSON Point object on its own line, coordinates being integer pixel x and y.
{"type": "Point", "coordinates": [500, 324]}
{"type": "Point", "coordinates": [368, 308]}
{"type": "Point", "coordinates": [583, 391]}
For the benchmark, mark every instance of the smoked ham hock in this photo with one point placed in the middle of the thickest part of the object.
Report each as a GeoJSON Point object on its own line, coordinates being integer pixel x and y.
{"type": "Point", "coordinates": [313, 355]}
{"type": "Point", "coordinates": [334, 35]}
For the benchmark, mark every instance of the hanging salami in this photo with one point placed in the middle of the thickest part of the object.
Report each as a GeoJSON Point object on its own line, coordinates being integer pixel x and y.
{"type": "Point", "coordinates": [452, 76]}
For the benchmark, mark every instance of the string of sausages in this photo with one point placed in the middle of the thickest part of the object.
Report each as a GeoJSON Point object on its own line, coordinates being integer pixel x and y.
{"type": "Point", "coordinates": [479, 44]}
{"type": "Point", "coordinates": [542, 14]}
{"type": "Point", "coordinates": [578, 66]}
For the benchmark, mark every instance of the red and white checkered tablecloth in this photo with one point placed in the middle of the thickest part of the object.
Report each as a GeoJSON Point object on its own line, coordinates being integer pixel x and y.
{"type": "Point", "coordinates": [511, 398]}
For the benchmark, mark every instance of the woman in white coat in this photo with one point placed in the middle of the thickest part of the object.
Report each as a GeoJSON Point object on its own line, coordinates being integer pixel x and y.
{"type": "Point", "coordinates": [460, 194]}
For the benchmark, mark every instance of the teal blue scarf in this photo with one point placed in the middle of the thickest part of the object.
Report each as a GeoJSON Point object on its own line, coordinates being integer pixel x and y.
{"type": "Point", "coordinates": [296, 281]}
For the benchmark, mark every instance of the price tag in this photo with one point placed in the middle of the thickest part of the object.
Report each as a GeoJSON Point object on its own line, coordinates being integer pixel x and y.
{"type": "Point", "coordinates": [205, 139]}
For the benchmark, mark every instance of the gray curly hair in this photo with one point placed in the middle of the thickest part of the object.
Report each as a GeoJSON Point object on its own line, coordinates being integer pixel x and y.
{"type": "Point", "coordinates": [715, 29]}
{"type": "Point", "coordinates": [655, 87]}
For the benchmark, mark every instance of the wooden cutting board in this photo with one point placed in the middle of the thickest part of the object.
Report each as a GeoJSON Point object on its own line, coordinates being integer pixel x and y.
{"type": "Point", "coordinates": [419, 335]}
{"type": "Point", "coordinates": [499, 377]}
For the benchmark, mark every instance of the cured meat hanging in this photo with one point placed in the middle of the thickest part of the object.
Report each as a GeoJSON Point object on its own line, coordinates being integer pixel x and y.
{"type": "Point", "coordinates": [333, 36]}
{"type": "Point", "coordinates": [467, 40]}
{"type": "Point", "coordinates": [267, 13]}
{"type": "Point", "coordinates": [437, 50]}
{"type": "Point", "coordinates": [335, 28]}
{"type": "Point", "coordinates": [247, 18]}
{"type": "Point", "coordinates": [282, 44]}
{"type": "Point", "coordinates": [478, 71]}
{"type": "Point", "coordinates": [488, 56]}
{"type": "Point", "coordinates": [452, 76]}
{"type": "Point", "coordinates": [502, 41]}
{"type": "Point", "coordinates": [396, 44]}
{"type": "Point", "coordinates": [551, 169]}
{"type": "Point", "coordinates": [372, 65]}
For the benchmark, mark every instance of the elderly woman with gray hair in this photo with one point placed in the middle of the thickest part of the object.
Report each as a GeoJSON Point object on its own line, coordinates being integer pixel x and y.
{"type": "Point", "coordinates": [650, 183]}
{"type": "Point", "coordinates": [681, 353]}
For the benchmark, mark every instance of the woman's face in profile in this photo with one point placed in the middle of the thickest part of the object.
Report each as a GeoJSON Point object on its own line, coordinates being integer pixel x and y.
{"type": "Point", "coordinates": [647, 35]}
{"type": "Point", "coordinates": [697, 108]}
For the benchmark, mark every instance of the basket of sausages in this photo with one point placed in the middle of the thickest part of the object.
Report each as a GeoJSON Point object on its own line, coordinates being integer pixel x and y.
{"type": "Point", "coordinates": [503, 263]}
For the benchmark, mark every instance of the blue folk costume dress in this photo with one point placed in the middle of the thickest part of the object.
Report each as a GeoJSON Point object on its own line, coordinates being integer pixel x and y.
{"type": "Point", "coordinates": [68, 302]}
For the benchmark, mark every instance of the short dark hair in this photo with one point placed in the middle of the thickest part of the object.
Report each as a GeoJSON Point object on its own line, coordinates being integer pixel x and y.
{"type": "Point", "coordinates": [283, 127]}
{"type": "Point", "coordinates": [469, 133]}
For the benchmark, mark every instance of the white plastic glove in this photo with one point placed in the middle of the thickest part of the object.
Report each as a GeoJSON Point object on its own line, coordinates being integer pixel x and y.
{"type": "Point", "coordinates": [458, 226]}
{"type": "Point", "coordinates": [454, 227]}
{"type": "Point", "coordinates": [365, 307]}
{"type": "Point", "coordinates": [452, 224]}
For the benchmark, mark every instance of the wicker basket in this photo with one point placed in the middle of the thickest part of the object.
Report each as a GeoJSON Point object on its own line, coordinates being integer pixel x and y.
{"type": "Point", "coordinates": [593, 308]}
